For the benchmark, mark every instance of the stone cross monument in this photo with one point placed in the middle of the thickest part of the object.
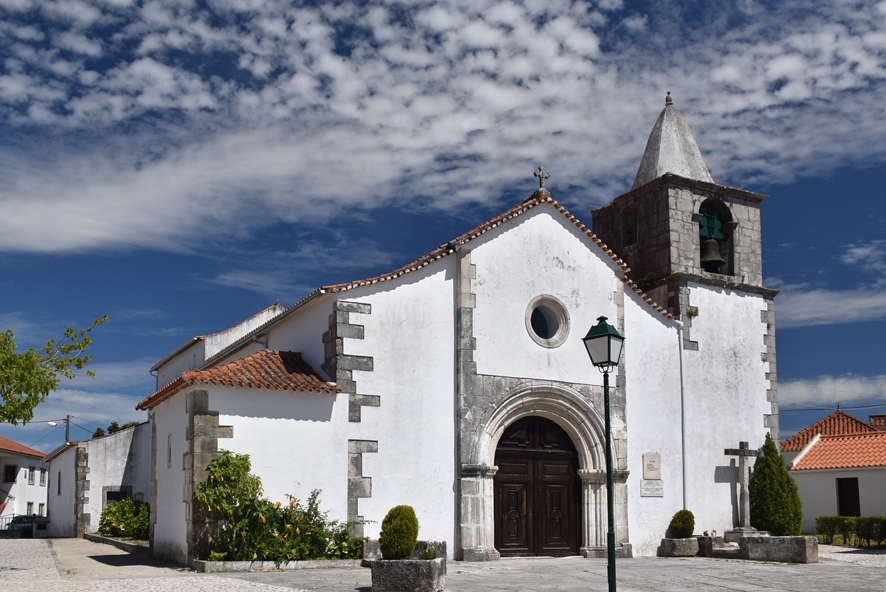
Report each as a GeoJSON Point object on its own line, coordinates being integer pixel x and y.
{"type": "Point", "coordinates": [542, 175]}
{"type": "Point", "coordinates": [744, 505]}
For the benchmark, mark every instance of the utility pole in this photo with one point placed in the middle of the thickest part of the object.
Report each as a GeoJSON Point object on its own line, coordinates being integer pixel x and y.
{"type": "Point", "coordinates": [68, 429]}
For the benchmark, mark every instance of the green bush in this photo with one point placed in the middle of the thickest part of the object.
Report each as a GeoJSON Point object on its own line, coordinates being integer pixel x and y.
{"type": "Point", "coordinates": [253, 528]}
{"type": "Point", "coordinates": [399, 532]}
{"type": "Point", "coordinates": [126, 518]}
{"type": "Point", "coordinates": [828, 526]}
{"type": "Point", "coordinates": [682, 524]}
{"type": "Point", "coordinates": [775, 501]}
{"type": "Point", "coordinates": [846, 526]}
{"type": "Point", "coordinates": [867, 529]}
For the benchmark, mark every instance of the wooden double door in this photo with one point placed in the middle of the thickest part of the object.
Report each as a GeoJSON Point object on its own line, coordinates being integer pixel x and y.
{"type": "Point", "coordinates": [537, 490]}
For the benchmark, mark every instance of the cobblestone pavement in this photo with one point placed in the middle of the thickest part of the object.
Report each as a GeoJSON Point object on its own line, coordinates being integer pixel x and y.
{"type": "Point", "coordinates": [76, 565]}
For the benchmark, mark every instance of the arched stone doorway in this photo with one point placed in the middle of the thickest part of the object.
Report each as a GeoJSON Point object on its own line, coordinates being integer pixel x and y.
{"type": "Point", "coordinates": [537, 490]}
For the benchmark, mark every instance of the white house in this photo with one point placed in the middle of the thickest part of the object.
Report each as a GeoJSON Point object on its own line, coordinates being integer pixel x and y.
{"type": "Point", "coordinates": [86, 476]}
{"type": "Point", "coordinates": [459, 383]}
{"type": "Point", "coordinates": [23, 490]}
{"type": "Point", "coordinates": [842, 475]}
{"type": "Point", "coordinates": [839, 423]}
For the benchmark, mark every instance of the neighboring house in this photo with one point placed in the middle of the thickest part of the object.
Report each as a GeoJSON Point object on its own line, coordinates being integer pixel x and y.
{"type": "Point", "coordinates": [87, 475]}
{"type": "Point", "coordinates": [459, 383]}
{"type": "Point", "coordinates": [835, 424]}
{"type": "Point", "coordinates": [23, 482]}
{"type": "Point", "coordinates": [842, 475]}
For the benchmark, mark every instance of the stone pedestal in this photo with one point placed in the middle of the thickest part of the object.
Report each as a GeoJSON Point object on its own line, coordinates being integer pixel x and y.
{"type": "Point", "coordinates": [733, 536]}
{"type": "Point", "coordinates": [678, 547]}
{"type": "Point", "coordinates": [408, 575]}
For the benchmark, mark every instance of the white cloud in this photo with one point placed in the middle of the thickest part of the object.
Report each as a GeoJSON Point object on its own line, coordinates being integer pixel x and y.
{"type": "Point", "coordinates": [452, 101]}
{"type": "Point", "coordinates": [829, 390]}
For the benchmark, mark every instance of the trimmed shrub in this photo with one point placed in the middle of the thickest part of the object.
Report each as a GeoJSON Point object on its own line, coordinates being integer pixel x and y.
{"type": "Point", "coordinates": [682, 524]}
{"type": "Point", "coordinates": [846, 526]}
{"type": "Point", "coordinates": [828, 526]}
{"type": "Point", "coordinates": [126, 518]}
{"type": "Point", "coordinates": [775, 500]}
{"type": "Point", "coordinates": [867, 529]}
{"type": "Point", "coordinates": [399, 533]}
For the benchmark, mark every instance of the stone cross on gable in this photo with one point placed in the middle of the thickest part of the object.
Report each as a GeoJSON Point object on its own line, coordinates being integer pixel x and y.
{"type": "Point", "coordinates": [542, 175]}
{"type": "Point", "coordinates": [744, 509]}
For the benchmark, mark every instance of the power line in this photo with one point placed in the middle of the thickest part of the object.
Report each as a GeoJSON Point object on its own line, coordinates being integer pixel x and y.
{"type": "Point", "coordinates": [815, 408]}
{"type": "Point", "coordinates": [48, 433]}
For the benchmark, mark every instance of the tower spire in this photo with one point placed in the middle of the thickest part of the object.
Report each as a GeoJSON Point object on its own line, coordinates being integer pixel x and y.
{"type": "Point", "coordinates": [671, 148]}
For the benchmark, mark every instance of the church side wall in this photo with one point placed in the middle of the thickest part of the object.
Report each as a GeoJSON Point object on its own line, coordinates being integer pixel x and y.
{"type": "Point", "coordinates": [297, 442]}
{"type": "Point", "coordinates": [60, 506]}
{"type": "Point", "coordinates": [409, 334]}
{"type": "Point", "coordinates": [818, 492]}
{"type": "Point", "coordinates": [187, 360]}
{"type": "Point", "coordinates": [726, 398]}
{"type": "Point", "coordinates": [169, 536]}
{"type": "Point", "coordinates": [652, 401]}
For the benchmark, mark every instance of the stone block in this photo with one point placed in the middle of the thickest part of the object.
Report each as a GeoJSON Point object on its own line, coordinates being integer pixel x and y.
{"type": "Point", "coordinates": [408, 575]}
{"type": "Point", "coordinates": [678, 547]}
{"type": "Point", "coordinates": [786, 549]}
{"type": "Point", "coordinates": [350, 331]}
{"type": "Point", "coordinates": [359, 487]}
{"type": "Point", "coordinates": [358, 307]}
{"type": "Point", "coordinates": [363, 363]}
{"type": "Point", "coordinates": [362, 446]}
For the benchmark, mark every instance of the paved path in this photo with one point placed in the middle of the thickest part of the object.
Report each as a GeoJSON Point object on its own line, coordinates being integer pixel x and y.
{"type": "Point", "coordinates": [76, 565]}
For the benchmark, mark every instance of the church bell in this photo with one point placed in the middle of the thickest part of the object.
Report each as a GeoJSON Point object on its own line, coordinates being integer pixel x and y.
{"type": "Point", "coordinates": [710, 256]}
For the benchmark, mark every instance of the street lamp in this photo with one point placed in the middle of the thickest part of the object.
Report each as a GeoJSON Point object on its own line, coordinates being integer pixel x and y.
{"type": "Point", "coordinates": [604, 345]}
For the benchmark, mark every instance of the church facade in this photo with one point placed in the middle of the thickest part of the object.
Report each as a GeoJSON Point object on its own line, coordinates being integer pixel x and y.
{"type": "Point", "coordinates": [459, 384]}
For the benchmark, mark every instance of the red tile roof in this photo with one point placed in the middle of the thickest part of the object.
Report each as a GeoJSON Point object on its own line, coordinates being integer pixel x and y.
{"type": "Point", "coordinates": [268, 369]}
{"type": "Point", "coordinates": [838, 423]}
{"type": "Point", "coordinates": [845, 452]}
{"type": "Point", "coordinates": [7, 444]}
{"type": "Point", "coordinates": [878, 421]}
{"type": "Point", "coordinates": [539, 197]}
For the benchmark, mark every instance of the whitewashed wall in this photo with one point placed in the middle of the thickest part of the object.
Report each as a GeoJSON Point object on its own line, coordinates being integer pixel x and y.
{"type": "Point", "coordinates": [122, 458]}
{"type": "Point", "coordinates": [538, 253]}
{"type": "Point", "coordinates": [818, 492]}
{"type": "Point", "coordinates": [297, 442]}
{"type": "Point", "coordinates": [170, 534]}
{"type": "Point", "coordinates": [652, 374]}
{"type": "Point", "coordinates": [410, 335]}
{"type": "Point", "coordinates": [725, 399]}
{"type": "Point", "coordinates": [186, 360]}
{"type": "Point", "coordinates": [61, 499]}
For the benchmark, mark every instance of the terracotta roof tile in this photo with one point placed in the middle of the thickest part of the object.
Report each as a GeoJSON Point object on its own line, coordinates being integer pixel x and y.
{"type": "Point", "coordinates": [838, 423]}
{"type": "Point", "coordinates": [539, 197]}
{"type": "Point", "coordinates": [7, 444]}
{"type": "Point", "coordinates": [845, 452]}
{"type": "Point", "coordinates": [878, 421]}
{"type": "Point", "coordinates": [268, 369]}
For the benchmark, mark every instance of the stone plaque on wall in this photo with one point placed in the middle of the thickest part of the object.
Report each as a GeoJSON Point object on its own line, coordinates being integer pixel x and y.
{"type": "Point", "coordinates": [652, 465]}
{"type": "Point", "coordinates": [651, 488]}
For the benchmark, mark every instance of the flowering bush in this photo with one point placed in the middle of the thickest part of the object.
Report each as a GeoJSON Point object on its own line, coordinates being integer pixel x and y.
{"type": "Point", "coordinates": [251, 527]}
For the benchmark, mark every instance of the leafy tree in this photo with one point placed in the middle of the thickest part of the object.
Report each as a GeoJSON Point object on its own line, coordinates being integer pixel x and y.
{"type": "Point", "coordinates": [98, 433]}
{"type": "Point", "coordinates": [27, 378]}
{"type": "Point", "coordinates": [775, 501]}
{"type": "Point", "coordinates": [113, 428]}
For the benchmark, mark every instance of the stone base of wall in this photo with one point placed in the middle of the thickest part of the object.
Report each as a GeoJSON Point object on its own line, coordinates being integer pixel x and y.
{"type": "Point", "coordinates": [480, 554]}
{"type": "Point", "coordinates": [622, 551]}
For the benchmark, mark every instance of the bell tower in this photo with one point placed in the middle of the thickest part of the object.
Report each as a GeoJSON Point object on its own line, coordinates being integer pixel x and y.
{"type": "Point", "coordinates": [676, 225]}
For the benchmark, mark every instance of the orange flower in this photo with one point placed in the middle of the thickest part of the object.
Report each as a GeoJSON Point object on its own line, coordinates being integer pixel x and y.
{"type": "Point", "coordinates": [261, 518]}
{"type": "Point", "coordinates": [276, 533]}
{"type": "Point", "coordinates": [288, 526]}
{"type": "Point", "coordinates": [276, 504]}
{"type": "Point", "coordinates": [292, 503]}
{"type": "Point", "coordinates": [297, 531]}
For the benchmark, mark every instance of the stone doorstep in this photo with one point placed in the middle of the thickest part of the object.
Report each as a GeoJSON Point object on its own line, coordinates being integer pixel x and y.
{"type": "Point", "coordinates": [122, 545]}
{"type": "Point", "coordinates": [246, 566]}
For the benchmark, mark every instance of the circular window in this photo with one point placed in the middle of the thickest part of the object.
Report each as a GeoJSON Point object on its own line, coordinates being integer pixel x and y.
{"type": "Point", "coordinates": [547, 321]}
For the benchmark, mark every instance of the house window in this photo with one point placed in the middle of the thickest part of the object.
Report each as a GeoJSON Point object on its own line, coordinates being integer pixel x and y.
{"type": "Point", "coordinates": [10, 472]}
{"type": "Point", "coordinates": [30, 509]}
{"type": "Point", "coordinates": [41, 510]}
{"type": "Point", "coordinates": [43, 477]}
{"type": "Point", "coordinates": [59, 483]}
{"type": "Point", "coordinates": [547, 321]}
{"type": "Point", "coordinates": [32, 472]}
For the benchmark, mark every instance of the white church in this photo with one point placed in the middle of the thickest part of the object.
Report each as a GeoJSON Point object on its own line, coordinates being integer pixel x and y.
{"type": "Point", "coordinates": [459, 383]}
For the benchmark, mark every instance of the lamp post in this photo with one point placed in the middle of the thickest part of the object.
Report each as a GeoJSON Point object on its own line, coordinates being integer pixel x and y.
{"type": "Point", "coordinates": [604, 345]}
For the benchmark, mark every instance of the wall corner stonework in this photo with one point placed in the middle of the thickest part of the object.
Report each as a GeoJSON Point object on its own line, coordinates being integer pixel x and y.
{"type": "Point", "coordinates": [340, 366]}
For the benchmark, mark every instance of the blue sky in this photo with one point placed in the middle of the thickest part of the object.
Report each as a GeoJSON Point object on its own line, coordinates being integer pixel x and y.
{"type": "Point", "coordinates": [180, 165]}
